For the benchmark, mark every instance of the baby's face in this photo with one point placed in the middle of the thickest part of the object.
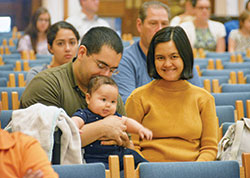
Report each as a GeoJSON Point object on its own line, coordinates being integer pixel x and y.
{"type": "Point", "coordinates": [103, 101]}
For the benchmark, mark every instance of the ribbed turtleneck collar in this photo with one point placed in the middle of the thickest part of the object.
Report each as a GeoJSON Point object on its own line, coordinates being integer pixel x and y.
{"type": "Point", "coordinates": [172, 86]}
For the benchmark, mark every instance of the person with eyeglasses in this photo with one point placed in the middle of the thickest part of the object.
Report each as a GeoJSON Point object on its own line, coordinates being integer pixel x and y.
{"type": "Point", "coordinates": [101, 98]}
{"type": "Point", "coordinates": [65, 86]}
{"type": "Point", "coordinates": [203, 32]}
{"type": "Point", "coordinates": [35, 36]}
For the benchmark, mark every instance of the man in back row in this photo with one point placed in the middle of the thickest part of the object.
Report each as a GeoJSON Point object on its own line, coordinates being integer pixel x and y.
{"type": "Point", "coordinates": [87, 18]}
{"type": "Point", "coordinates": [153, 16]}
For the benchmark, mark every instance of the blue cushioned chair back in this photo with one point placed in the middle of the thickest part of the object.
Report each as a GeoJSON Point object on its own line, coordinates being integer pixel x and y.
{"type": "Point", "coordinates": [5, 116]}
{"type": "Point", "coordinates": [221, 79]}
{"type": "Point", "coordinates": [212, 169]}
{"type": "Point", "coordinates": [230, 65]}
{"type": "Point", "coordinates": [235, 87]}
{"type": "Point", "coordinates": [9, 90]}
{"type": "Point", "coordinates": [5, 74]}
{"type": "Point", "coordinates": [248, 78]}
{"type": "Point", "coordinates": [9, 67]}
{"type": "Point", "coordinates": [225, 72]}
{"type": "Point", "coordinates": [230, 98]}
{"type": "Point", "coordinates": [225, 114]}
{"type": "Point", "coordinates": [3, 82]}
{"type": "Point", "coordinates": [91, 170]}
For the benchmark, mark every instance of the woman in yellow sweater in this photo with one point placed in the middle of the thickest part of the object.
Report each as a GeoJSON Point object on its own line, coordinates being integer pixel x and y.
{"type": "Point", "coordinates": [182, 116]}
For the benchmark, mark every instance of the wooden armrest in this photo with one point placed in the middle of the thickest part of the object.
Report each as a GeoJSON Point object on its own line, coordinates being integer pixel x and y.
{"type": "Point", "coordinates": [114, 166]}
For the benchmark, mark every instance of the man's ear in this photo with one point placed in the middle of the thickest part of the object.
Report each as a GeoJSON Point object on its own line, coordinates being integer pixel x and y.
{"type": "Point", "coordinates": [50, 49]}
{"type": "Point", "coordinates": [139, 24]}
{"type": "Point", "coordinates": [87, 97]}
{"type": "Point", "coordinates": [82, 51]}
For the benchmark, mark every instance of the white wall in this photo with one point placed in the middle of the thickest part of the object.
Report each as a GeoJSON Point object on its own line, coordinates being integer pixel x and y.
{"type": "Point", "coordinates": [55, 8]}
{"type": "Point", "coordinates": [73, 7]}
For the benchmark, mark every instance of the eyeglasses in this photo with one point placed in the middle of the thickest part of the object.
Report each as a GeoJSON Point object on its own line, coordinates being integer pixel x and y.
{"type": "Point", "coordinates": [201, 8]}
{"type": "Point", "coordinates": [41, 20]}
{"type": "Point", "coordinates": [104, 67]}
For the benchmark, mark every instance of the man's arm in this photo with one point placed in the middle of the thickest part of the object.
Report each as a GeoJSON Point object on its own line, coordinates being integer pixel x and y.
{"type": "Point", "coordinates": [40, 90]}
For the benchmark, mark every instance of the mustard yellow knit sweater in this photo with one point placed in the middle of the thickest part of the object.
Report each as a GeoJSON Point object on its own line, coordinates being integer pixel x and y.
{"type": "Point", "coordinates": [182, 118]}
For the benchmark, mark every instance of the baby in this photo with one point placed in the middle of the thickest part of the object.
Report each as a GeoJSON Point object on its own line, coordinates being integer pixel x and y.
{"type": "Point", "coordinates": [102, 100]}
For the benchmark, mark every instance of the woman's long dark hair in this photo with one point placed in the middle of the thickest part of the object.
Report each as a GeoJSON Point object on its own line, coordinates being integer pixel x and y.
{"type": "Point", "coordinates": [31, 30]}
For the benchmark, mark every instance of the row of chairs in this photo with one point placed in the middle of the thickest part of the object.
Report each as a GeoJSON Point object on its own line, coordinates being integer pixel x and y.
{"type": "Point", "coordinates": [211, 169]}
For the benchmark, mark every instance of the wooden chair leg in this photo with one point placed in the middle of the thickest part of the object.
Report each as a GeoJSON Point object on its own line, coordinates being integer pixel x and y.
{"type": "Point", "coordinates": [14, 100]}
{"type": "Point", "coordinates": [5, 101]}
{"type": "Point", "coordinates": [239, 108]}
{"type": "Point", "coordinates": [198, 69]}
{"type": "Point", "coordinates": [114, 166]}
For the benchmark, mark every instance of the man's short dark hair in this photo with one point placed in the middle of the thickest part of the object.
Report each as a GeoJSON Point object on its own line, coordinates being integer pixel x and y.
{"type": "Point", "coordinates": [179, 37]}
{"type": "Point", "coordinates": [97, 37]}
{"type": "Point", "coordinates": [151, 4]}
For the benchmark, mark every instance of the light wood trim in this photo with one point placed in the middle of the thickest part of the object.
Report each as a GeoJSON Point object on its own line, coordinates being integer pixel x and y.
{"type": "Point", "coordinates": [4, 43]}
{"type": "Point", "coordinates": [201, 53]}
{"type": "Point", "coordinates": [239, 58]}
{"type": "Point", "coordinates": [114, 166]}
{"type": "Point", "coordinates": [207, 85]}
{"type": "Point", "coordinates": [66, 9]}
{"type": "Point", "coordinates": [239, 108]}
{"type": "Point", "coordinates": [5, 101]}
{"type": "Point", "coordinates": [242, 172]}
{"type": "Point", "coordinates": [233, 58]}
{"type": "Point", "coordinates": [24, 55]}
{"type": "Point", "coordinates": [26, 66]}
{"type": "Point", "coordinates": [11, 43]}
{"type": "Point", "coordinates": [14, 100]}
{"type": "Point", "coordinates": [248, 108]}
{"type": "Point", "coordinates": [210, 64]}
{"type": "Point", "coordinates": [216, 86]}
{"type": "Point", "coordinates": [21, 82]}
{"type": "Point", "coordinates": [241, 78]}
{"type": "Point", "coordinates": [246, 164]}
{"type": "Point", "coordinates": [198, 69]}
{"type": "Point", "coordinates": [1, 50]}
{"type": "Point", "coordinates": [7, 50]}
{"type": "Point", "coordinates": [18, 66]}
{"type": "Point", "coordinates": [233, 77]}
{"type": "Point", "coordinates": [219, 65]}
{"type": "Point", "coordinates": [107, 173]}
{"type": "Point", "coordinates": [129, 166]}
{"type": "Point", "coordinates": [1, 61]}
{"type": "Point", "coordinates": [12, 80]}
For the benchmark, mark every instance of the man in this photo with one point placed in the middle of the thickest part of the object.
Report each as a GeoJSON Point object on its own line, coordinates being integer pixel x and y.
{"type": "Point", "coordinates": [153, 16]}
{"type": "Point", "coordinates": [65, 86]}
{"type": "Point", "coordinates": [87, 18]}
{"type": "Point", "coordinates": [22, 156]}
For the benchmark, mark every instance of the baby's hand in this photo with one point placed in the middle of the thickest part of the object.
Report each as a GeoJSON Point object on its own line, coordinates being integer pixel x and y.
{"type": "Point", "coordinates": [145, 133]}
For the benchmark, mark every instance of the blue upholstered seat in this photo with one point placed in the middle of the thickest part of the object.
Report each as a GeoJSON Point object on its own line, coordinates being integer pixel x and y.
{"type": "Point", "coordinates": [91, 170]}
{"type": "Point", "coordinates": [210, 169]}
